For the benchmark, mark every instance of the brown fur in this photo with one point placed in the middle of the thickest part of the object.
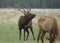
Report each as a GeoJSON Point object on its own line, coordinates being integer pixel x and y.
{"type": "Point", "coordinates": [25, 27]}
{"type": "Point", "coordinates": [53, 31]}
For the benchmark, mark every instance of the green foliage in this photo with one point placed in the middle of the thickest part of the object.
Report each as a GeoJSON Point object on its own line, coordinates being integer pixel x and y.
{"type": "Point", "coordinates": [33, 3]}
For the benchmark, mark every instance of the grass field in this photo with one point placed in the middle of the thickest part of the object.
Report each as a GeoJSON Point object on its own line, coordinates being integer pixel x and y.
{"type": "Point", "coordinates": [9, 32]}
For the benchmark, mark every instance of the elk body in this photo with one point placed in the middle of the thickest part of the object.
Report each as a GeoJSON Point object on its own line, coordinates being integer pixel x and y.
{"type": "Point", "coordinates": [50, 25]}
{"type": "Point", "coordinates": [25, 22]}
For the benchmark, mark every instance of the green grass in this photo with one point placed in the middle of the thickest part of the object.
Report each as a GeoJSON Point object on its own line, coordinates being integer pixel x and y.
{"type": "Point", "coordinates": [10, 34]}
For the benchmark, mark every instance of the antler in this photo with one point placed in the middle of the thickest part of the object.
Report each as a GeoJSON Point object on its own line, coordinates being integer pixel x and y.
{"type": "Point", "coordinates": [20, 8]}
{"type": "Point", "coordinates": [29, 9]}
{"type": "Point", "coordinates": [23, 9]}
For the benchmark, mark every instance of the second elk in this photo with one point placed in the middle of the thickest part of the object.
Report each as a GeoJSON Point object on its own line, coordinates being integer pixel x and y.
{"type": "Point", "coordinates": [50, 25]}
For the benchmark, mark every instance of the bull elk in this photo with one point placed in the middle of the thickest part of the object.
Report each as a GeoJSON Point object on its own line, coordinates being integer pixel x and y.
{"type": "Point", "coordinates": [25, 22]}
{"type": "Point", "coordinates": [50, 25]}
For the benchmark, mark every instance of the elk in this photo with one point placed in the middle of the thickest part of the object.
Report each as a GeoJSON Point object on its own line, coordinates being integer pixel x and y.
{"type": "Point", "coordinates": [49, 25]}
{"type": "Point", "coordinates": [25, 22]}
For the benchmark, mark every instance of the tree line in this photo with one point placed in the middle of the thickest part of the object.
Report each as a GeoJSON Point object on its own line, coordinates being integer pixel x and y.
{"type": "Point", "coordinates": [32, 3]}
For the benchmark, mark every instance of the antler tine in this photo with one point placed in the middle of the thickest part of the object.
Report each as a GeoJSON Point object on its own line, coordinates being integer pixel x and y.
{"type": "Point", "coordinates": [24, 9]}
{"type": "Point", "coordinates": [29, 9]}
{"type": "Point", "coordinates": [16, 6]}
{"type": "Point", "coordinates": [20, 8]}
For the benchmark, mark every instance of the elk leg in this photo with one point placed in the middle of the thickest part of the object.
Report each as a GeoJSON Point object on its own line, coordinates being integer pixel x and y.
{"type": "Point", "coordinates": [51, 37]}
{"type": "Point", "coordinates": [42, 36]}
{"type": "Point", "coordinates": [55, 35]}
{"type": "Point", "coordinates": [19, 33]}
{"type": "Point", "coordinates": [32, 33]}
{"type": "Point", "coordinates": [38, 36]}
{"type": "Point", "coordinates": [27, 34]}
{"type": "Point", "coordinates": [24, 34]}
{"type": "Point", "coordinates": [54, 38]}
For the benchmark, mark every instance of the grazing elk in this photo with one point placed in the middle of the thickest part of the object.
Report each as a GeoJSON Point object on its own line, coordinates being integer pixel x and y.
{"type": "Point", "coordinates": [50, 25]}
{"type": "Point", "coordinates": [25, 22]}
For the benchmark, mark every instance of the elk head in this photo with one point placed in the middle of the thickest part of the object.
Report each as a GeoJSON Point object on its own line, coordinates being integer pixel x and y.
{"type": "Point", "coordinates": [26, 12]}
{"type": "Point", "coordinates": [28, 16]}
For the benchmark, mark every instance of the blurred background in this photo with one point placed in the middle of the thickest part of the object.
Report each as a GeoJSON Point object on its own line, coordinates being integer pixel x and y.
{"type": "Point", "coordinates": [32, 3]}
